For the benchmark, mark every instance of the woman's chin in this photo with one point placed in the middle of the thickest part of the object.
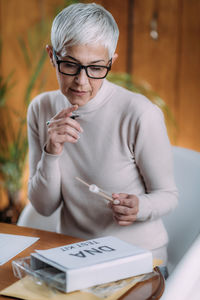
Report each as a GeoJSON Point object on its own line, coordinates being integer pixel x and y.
{"type": "Point", "coordinates": [80, 101]}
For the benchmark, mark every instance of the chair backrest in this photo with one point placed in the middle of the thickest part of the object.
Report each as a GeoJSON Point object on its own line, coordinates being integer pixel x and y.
{"type": "Point", "coordinates": [183, 225]}
{"type": "Point", "coordinates": [29, 217]}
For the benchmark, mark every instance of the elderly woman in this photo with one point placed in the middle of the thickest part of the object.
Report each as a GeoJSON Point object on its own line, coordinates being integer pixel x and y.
{"type": "Point", "coordinates": [102, 133]}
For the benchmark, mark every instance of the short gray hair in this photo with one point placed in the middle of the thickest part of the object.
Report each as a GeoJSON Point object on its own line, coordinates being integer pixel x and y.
{"type": "Point", "coordinates": [83, 24]}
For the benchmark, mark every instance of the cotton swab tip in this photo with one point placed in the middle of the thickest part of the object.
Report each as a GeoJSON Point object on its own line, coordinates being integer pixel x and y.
{"type": "Point", "coordinates": [93, 188]}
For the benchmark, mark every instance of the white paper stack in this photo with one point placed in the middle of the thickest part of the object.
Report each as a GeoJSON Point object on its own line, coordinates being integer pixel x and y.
{"type": "Point", "coordinates": [12, 244]}
{"type": "Point", "coordinates": [92, 262]}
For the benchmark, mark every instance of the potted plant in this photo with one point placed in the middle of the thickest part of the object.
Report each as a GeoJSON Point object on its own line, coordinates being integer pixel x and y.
{"type": "Point", "coordinates": [13, 142]}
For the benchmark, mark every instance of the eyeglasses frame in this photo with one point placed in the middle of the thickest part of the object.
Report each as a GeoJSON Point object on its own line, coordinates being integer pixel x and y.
{"type": "Point", "coordinates": [80, 67]}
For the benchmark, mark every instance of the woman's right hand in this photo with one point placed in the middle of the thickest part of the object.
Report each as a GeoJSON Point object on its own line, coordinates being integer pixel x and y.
{"type": "Point", "coordinates": [62, 129]}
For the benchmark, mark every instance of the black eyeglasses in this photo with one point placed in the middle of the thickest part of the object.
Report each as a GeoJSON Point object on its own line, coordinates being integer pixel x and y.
{"type": "Point", "coordinates": [72, 69]}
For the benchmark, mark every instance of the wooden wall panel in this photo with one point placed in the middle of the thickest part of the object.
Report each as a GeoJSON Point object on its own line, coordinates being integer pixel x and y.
{"type": "Point", "coordinates": [155, 61]}
{"type": "Point", "coordinates": [189, 76]}
{"type": "Point", "coordinates": [19, 19]}
{"type": "Point", "coordinates": [14, 24]}
{"type": "Point", "coordinates": [171, 64]}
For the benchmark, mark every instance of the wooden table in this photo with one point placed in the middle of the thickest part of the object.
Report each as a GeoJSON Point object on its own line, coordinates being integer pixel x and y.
{"type": "Point", "coordinates": [150, 289]}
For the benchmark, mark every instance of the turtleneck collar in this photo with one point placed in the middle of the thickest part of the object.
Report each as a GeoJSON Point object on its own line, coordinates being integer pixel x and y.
{"type": "Point", "coordinates": [100, 98]}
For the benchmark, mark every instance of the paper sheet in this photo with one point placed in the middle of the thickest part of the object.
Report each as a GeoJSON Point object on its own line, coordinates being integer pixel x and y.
{"type": "Point", "coordinates": [28, 289]}
{"type": "Point", "coordinates": [11, 245]}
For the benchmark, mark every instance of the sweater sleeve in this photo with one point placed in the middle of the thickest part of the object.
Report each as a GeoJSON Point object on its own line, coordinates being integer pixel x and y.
{"type": "Point", "coordinates": [44, 186]}
{"type": "Point", "coordinates": [153, 156]}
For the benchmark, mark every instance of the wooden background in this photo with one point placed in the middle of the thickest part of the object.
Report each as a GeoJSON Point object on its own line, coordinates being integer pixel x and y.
{"type": "Point", "coordinates": [170, 64]}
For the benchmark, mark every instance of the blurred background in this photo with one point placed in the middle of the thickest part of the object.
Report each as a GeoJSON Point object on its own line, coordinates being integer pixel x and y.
{"type": "Point", "coordinates": [159, 56]}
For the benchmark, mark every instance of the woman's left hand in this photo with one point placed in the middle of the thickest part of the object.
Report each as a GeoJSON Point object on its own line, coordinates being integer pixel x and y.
{"type": "Point", "coordinates": [125, 208]}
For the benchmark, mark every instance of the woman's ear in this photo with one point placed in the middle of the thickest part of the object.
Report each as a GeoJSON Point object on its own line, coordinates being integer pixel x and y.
{"type": "Point", "coordinates": [115, 56]}
{"type": "Point", "coordinates": [49, 49]}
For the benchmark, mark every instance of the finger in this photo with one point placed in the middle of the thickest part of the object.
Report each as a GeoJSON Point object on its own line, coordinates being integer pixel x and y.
{"type": "Point", "coordinates": [131, 218]}
{"type": "Point", "coordinates": [123, 195]}
{"type": "Point", "coordinates": [124, 222]}
{"type": "Point", "coordinates": [69, 131]}
{"type": "Point", "coordinates": [63, 139]}
{"type": "Point", "coordinates": [62, 124]}
{"type": "Point", "coordinates": [124, 210]}
{"type": "Point", "coordinates": [129, 202]}
{"type": "Point", "coordinates": [119, 196]}
{"type": "Point", "coordinates": [126, 200]}
{"type": "Point", "coordinates": [65, 112]}
{"type": "Point", "coordinates": [63, 134]}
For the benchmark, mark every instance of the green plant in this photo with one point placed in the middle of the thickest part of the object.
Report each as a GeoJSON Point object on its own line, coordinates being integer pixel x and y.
{"type": "Point", "coordinates": [5, 86]}
{"type": "Point", "coordinates": [13, 151]}
{"type": "Point", "coordinates": [13, 142]}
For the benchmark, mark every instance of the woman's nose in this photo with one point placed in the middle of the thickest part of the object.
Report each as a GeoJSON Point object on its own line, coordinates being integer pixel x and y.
{"type": "Point", "coordinates": [82, 77]}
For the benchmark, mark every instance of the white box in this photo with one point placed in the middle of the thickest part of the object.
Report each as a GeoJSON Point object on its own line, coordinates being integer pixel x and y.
{"type": "Point", "coordinates": [92, 262]}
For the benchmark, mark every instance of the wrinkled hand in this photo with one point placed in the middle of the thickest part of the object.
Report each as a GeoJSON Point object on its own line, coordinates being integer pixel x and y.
{"type": "Point", "coordinates": [125, 208]}
{"type": "Point", "coordinates": [62, 129]}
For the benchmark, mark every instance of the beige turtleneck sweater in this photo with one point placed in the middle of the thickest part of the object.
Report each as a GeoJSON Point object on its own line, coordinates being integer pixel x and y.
{"type": "Point", "coordinates": [124, 148]}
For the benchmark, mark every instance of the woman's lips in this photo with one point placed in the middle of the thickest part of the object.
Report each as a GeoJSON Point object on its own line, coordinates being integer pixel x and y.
{"type": "Point", "coordinates": [77, 92]}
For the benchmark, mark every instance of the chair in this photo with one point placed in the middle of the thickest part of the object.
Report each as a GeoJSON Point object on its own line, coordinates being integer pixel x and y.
{"type": "Point", "coordinates": [183, 283]}
{"type": "Point", "coordinates": [29, 217]}
{"type": "Point", "coordinates": [183, 226]}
